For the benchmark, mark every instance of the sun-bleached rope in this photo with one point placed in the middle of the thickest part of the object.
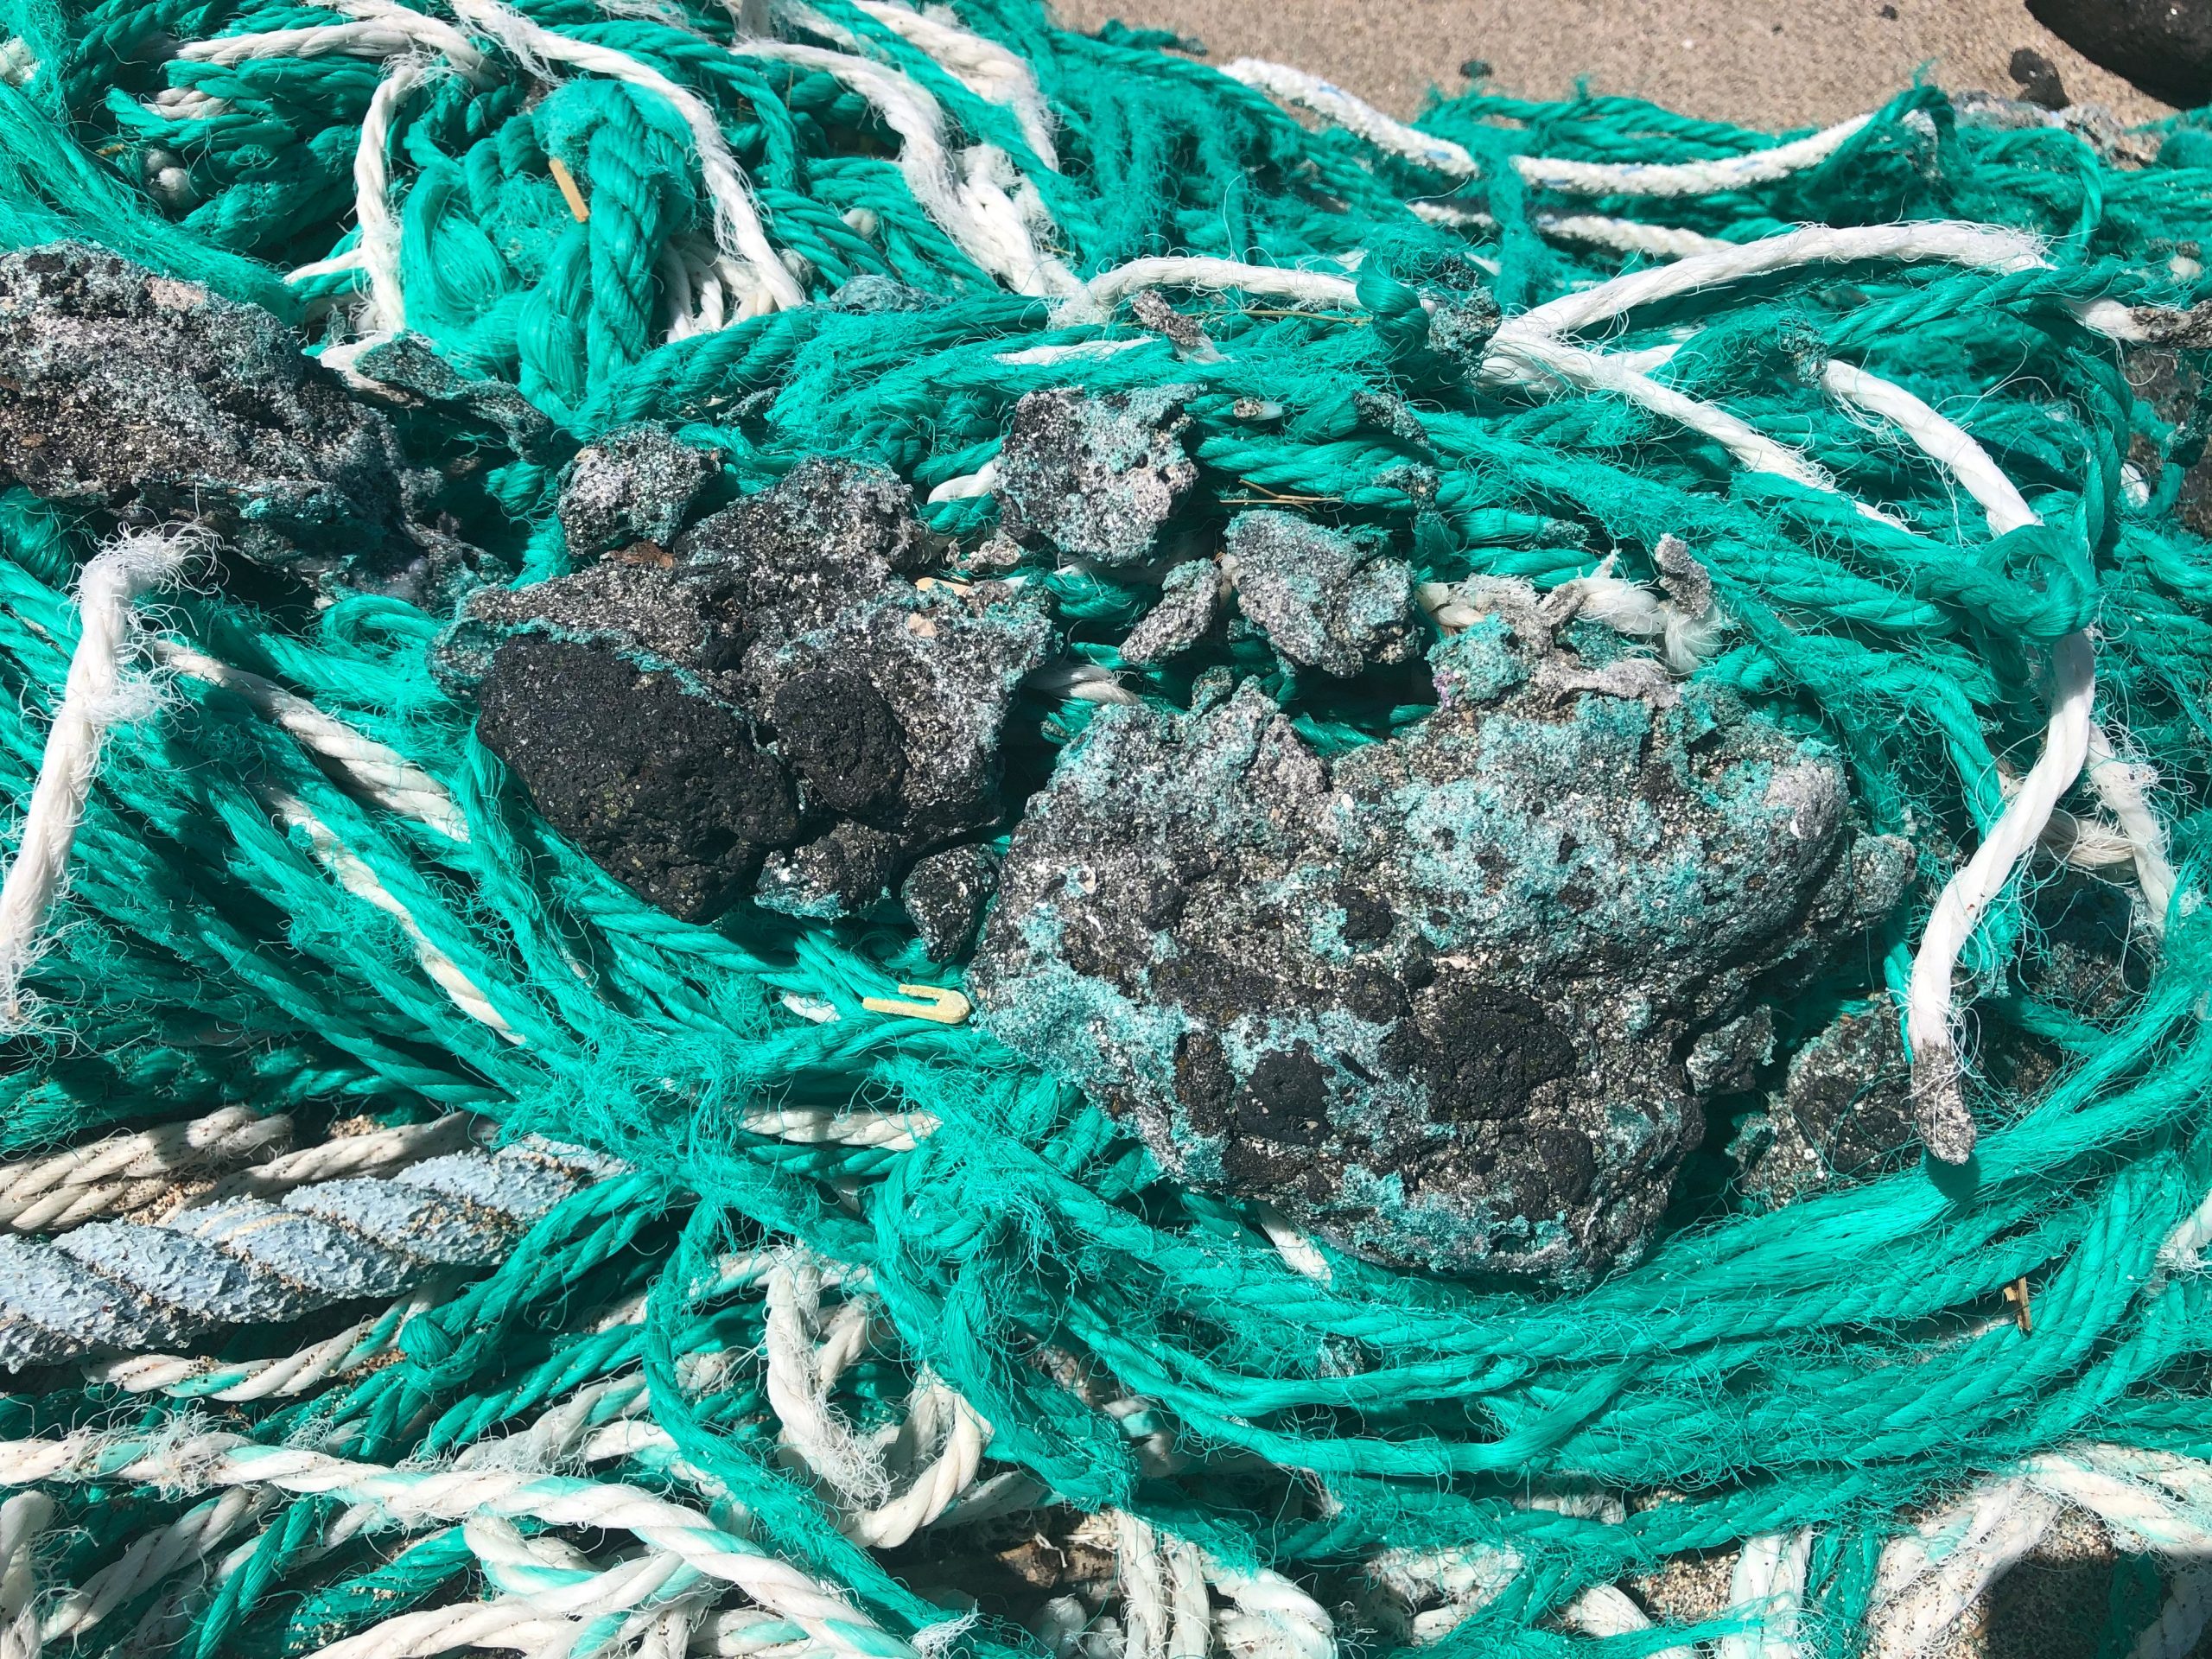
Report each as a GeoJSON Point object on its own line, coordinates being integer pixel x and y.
{"type": "Point", "coordinates": [1604, 1610]}
{"type": "Point", "coordinates": [204, 1462]}
{"type": "Point", "coordinates": [968, 205]}
{"type": "Point", "coordinates": [353, 874]}
{"type": "Point", "coordinates": [151, 1558]}
{"type": "Point", "coordinates": [23, 1518]}
{"type": "Point", "coordinates": [1766, 1592]}
{"type": "Point", "coordinates": [1269, 1617]}
{"type": "Point", "coordinates": [1930, 1576]}
{"type": "Point", "coordinates": [375, 1152]}
{"type": "Point", "coordinates": [1939, 1099]}
{"type": "Point", "coordinates": [377, 31]}
{"type": "Point", "coordinates": [95, 696]}
{"type": "Point", "coordinates": [992, 72]}
{"type": "Point", "coordinates": [128, 1171]}
{"type": "Point", "coordinates": [804, 1355]}
{"type": "Point", "coordinates": [1356, 115]}
{"type": "Point", "coordinates": [378, 246]}
{"type": "Point", "coordinates": [1109, 288]}
{"type": "Point", "coordinates": [2174, 1634]}
{"type": "Point", "coordinates": [945, 1437]}
{"type": "Point", "coordinates": [375, 772]}
{"type": "Point", "coordinates": [134, 1287]}
{"type": "Point", "coordinates": [286, 1377]}
{"type": "Point", "coordinates": [2123, 789]}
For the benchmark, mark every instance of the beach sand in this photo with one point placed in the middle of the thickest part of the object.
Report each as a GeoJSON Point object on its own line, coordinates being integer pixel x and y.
{"type": "Point", "coordinates": [1771, 64]}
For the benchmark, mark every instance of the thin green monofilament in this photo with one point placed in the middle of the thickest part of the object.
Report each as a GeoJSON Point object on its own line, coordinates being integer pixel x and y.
{"type": "Point", "coordinates": [1826, 1366]}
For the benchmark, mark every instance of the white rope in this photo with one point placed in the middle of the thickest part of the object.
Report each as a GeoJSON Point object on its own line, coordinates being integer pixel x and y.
{"type": "Point", "coordinates": [1767, 1590]}
{"type": "Point", "coordinates": [150, 1558]}
{"type": "Point", "coordinates": [1983, 247]}
{"type": "Point", "coordinates": [992, 72]}
{"type": "Point", "coordinates": [1929, 1577]}
{"type": "Point", "coordinates": [1299, 1252]}
{"type": "Point", "coordinates": [128, 1171]}
{"type": "Point", "coordinates": [970, 205]}
{"type": "Point", "coordinates": [2123, 787]}
{"type": "Point", "coordinates": [1109, 288]}
{"type": "Point", "coordinates": [378, 246]}
{"type": "Point", "coordinates": [285, 1377]}
{"type": "Point", "coordinates": [377, 1152]}
{"type": "Point", "coordinates": [1939, 1099]}
{"type": "Point", "coordinates": [1140, 1571]}
{"type": "Point", "coordinates": [1579, 178]}
{"type": "Point", "coordinates": [1603, 1610]}
{"type": "Point", "coordinates": [377, 772]}
{"type": "Point", "coordinates": [95, 696]}
{"type": "Point", "coordinates": [1271, 1618]}
{"type": "Point", "coordinates": [2174, 1633]}
{"type": "Point", "coordinates": [1464, 1579]}
{"type": "Point", "coordinates": [354, 874]}
{"type": "Point", "coordinates": [939, 1418]}
{"type": "Point", "coordinates": [799, 1375]}
{"type": "Point", "coordinates": [380, 31]}
{"type": "Point", "coordinates": [224, 1461]}
{"type": "Point", "coordinates": [22, 1518]}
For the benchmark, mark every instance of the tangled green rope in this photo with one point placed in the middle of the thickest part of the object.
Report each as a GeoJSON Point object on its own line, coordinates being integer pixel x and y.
{"type": "Point", "coordinates": [1829, 1366]}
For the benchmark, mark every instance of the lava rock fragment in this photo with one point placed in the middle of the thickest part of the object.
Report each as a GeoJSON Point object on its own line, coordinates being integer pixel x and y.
{"type": "Point", "coordinates": [673, 795]}
{"type": "Point", "coordinates": [1844, 1111]}
{"type": "Point", "coordinates": [1323, 600]}
{"type": "Point", "coordinates": [630, 489]}
{"type": "Point", "coordinates": [1429, 998]}
{"type": "Point", "coordinates": [2164, 48]}
{"type": "Point", "coordinates": [881, 701]}
{"type": "Point", "coordinates": [945, 895]}
{"type": "Point", "coordinates": [1096, 477]}
{"type": "Point", "coordinates": [1190, 601]}
{"type": "Point", "coordinates": [157, 399]}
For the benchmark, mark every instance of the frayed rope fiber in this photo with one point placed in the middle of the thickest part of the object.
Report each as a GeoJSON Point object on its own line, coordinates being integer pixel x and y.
{"type": "Point", "coordinates": [1589, 729]}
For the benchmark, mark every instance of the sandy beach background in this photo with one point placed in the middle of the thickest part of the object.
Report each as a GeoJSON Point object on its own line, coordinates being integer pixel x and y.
{"type": "Point", "coordinates": [1772, 64]}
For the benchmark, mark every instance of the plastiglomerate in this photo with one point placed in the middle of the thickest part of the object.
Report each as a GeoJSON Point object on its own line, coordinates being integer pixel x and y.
{"type": "Point", "coordinates": [1322, 599]}
{"type": "Point", "coordinates": [671, 794]}
{"type": "Point", "coordinates": [1095, 477]}
{"type": "Point", "coordinates": [159, 401]}
{"type": "Point", "coordinates": [878, 702]}
{"type": "Point", "coordinates": [945, 895]}
{"type": "Point", "coordinates": [632, 487]}
{"type": "Point", "coordinates": [1430, 998]}
{"type": "Point", "coordinates": [1190, 601]}
{"type": "Point", "coordinates": [1844, 1111]}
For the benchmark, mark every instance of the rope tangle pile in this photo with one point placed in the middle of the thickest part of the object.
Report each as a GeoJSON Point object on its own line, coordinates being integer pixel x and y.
{"type": "Point", "coordinates": [415, 1241]}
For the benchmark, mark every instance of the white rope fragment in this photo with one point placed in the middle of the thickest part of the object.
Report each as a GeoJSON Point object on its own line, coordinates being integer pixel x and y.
{"type": "Point", "coordinates": [95, 697]}
{"type": "Point", "coordinates": [127, 1171]}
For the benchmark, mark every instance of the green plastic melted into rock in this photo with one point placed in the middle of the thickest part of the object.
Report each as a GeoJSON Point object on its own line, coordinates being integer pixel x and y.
{"type": "Point", "coordinates": [1433, 999]}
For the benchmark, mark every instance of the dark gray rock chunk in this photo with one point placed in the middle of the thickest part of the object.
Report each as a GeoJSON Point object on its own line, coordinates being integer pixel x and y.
{"type": "Point", "coordinates": [1190, 601]}
{"type": "Point", "coordinates": [1095, 477]}
{"type": "Point", "coordinates": [674, 795]}
{"type": "Point", "coordinates": [1844, 1111]}
{"type": "Point", "coordinates": [632, 487]}
{"type": "Point", "coordinates": [1430, 999]}
{"type": "Point", "coordinates": [880, 702]}
{"type": "Point", "coordinates": [1323, 600]}
{"type": "Point", "coordinates": [945, 895]}
{"type": "Point", "coordinates": [2164, 48]}
{"type": "Point", "coordinates": [158, 400]}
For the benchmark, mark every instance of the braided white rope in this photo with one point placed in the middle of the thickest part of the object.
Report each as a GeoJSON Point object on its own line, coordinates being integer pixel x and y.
{"type": "Point", "coordinates": [1579, 178]}
{"type": "Point", "coordinates": [1603, 1610]}
{"type": "Point", "coordinates": [1270, 1617]}
{"type": "Point", "coordinates": [95, 696]}
{"type": "Point", "coordinates": [1939, 1101]}
{"type": "Point", "coordinates": [1767, 1590]}
{"type": "Point", "coordinates": [150, 1558]}
{"type": "Point", "coordinates": [2123, 787]}
{"type": "Point", "coordinates": [379, 1152]}
{"type": "Point", "coordinates": [2181, 1622]}
{"type": "Point", "coordinates": [1141, 1571]}
{"type": "Point", "coordinates": [936, 1417]}
{"type": "Point", "coordinates": [379, 245]}
{"type": "Point", "coordinates": [354, 874]}
{"type": "Point", "coordinates": [1109, 288]}
{"type": "Point", "coordinates": [127, 1171]}
{"type": "Point", "coordinates": [994, 72]}
{"type": "Point", "coordinates": [206, 1461]}
{"type": "Point", "coordinates": [134, 1287]}
{"type": "Point", "coordinates": [1929, 1577]}
{"type": "Point", "coordinates": [377, 772]}
{"type": "Point", "coordinates": [286, 1377]}
{"type": "Point", "coordinates": [972, 208]}
{"type": "Point", "coordinates": [22, 1518]}
{"type": "Point", "coordinates": [799, 1376]}
{"type": "Point", "coordinates": [378, 31]}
